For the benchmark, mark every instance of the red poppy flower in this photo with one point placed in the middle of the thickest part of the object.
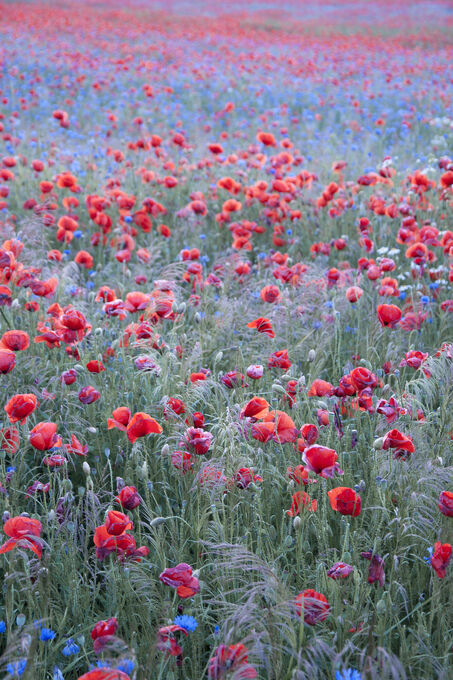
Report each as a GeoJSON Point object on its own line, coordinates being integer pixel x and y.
{"type": "Point", "coordinates": [345, 501]}
{"type": "Point", "coordinates": [140, 425]}
{"type": "Point", "coordinates": [44, 436]}
{"type": "Point", "coordinates": [313, 605]}
{"type": "Point", "coordinates": [361, 378]}
{"type": "Point", "coordinates": [388, 315]}
{"type": "Point", "coordinates": [7, 360]}
{"type": "Point", "coordinates": [244, 477]}
{"type": "Point", "coordinates": [322, 461]}
{"type": "Point", "coordinates": [95, 366]}
{"type": "Point", "coordinates": [397, 440]}
{"type": "Point", "coordinates": [9, 440]}
{"type": "Point", "coordinates": [301, 502]}
{"type": "Point", "coordinates": [182, 460]}
{"type": "Point", "coordinates": [339, 570]}
{"type": "Point", "coordinates": [262, 325]}
{"type": "Point", "coordinates": [376, 569]}
{"type": "Point", "coordinates": [117, 523]}
{"type": "Point", "coordinates": [69, 377]}
{"type": "Point", "coordinates": [300, 475]}
{"type": "Point", "coordinates": [255, 371]}
{"type": "Point", "coordinates": [276, 425]}
{"type": "Point", "coordinates": [120, 418]}
{"type": "Point", "coordinates": [446, 503]}
{"type": "Point", "coordinates": [76, 447]}
{"type": "Point", "coordinates": [180, 578]}
{"type": "Point", "coordinates": [88, 395]}
{"type": "Point", "coordinates": [123, 545]}
{"type": "Point", "coordinates": [128, 498]}
{"type": "Point", "coordinates": [233, 379]}
{"type": "Point", "coordinates": [256, 408]}
{"type": "Point", "coordinates": [354, 293]}
{"type": "Point", "coordinates": [279, 359]}
{"type": "Point", "coordinates": [20, 407]}
{"type": "Point", "coordinates": [270, 294]}
{"type": "Point", "coordinates": [197, 440]}
{"type": "Point", "coordinates": [15, 340]}
{"type": "Point", "coordinates": [24, 532]}
{"type": "Point", "coordinates": [320, 388]}
{"type": "Point", "coordinates": [166, 642]}
{"type": "Point", "coordinates": [441, 558]}
{"type": "Point", "coordinates": [233, 658]}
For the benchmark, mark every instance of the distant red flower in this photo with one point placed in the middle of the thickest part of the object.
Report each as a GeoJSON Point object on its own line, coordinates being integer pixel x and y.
{"type": "Point", "coordinates": [339, 570]}
{"type": "Point", "coordinates": [441, 558]}
{"type": "Point", "coordinates": [181, 578]}
{"type": "Point", "coordinates": [197, 440]}
{"type": "Point", "coordinates": [88, 395]}
{"type": "Point", "coordinates": [262, 325]}
{"type": "Point", "coordinates": [376, 569]}
{"type": "Point", "coordinates": [301, 502]}
{"type": "Point", "coordinates": [446, 503]}
{"type": "Point", "coordinates": [270, 294]}
{"type": "Point", "coordinates": [279, 359]}
{"type": "Point", "coordinates": [313, 606]}
{"type": "Point", "coordinates": [233, 658]}
{"type": "Point", "coordinates": [9, 440]}
{"type": "Point", "coordinates": [244, 477]}
{"type": "Point", "coordinates": [95, 366]}
{"type": "Point", "coordinates": [320, 388]}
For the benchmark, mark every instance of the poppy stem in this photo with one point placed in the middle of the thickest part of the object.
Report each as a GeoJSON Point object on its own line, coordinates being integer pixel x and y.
{"type": "Point", "coordinates": [5, 317]}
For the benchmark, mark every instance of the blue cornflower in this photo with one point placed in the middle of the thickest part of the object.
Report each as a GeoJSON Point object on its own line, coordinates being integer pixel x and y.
{"type": "Point", "coordinates": [17, 668]}
{"type": "Point", "coordinates": [2, 626]}
{"type": "Point", "coordinates": [189, 623]}
{"type": "Point", "coordinates": [47, 634]}
{"type": "Point", "coordinates": [70, 648]}
{"type": "Point", "coordinates": [430, 552]}
{"type": "Point", "coordinates": [402, 295]}
{"type": "Point", "coordinates": [127, 666]}
{"type": "Point", "coordinates": [57, 674]}
{"type": "Point", "coordinates": [78, 233]}
{"type": "Point", "coordinates": [424, 299]}
{"type": "Point", "coordinates": [348, 674]}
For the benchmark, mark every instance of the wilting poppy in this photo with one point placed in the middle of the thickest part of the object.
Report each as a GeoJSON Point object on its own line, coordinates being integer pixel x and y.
{"type": "Point", "coordinates": [20, 407]}
{"type": "Point", "coordinates": [167, 643]}
{"type": "Point", "coordinates": [181, 578]}
{"type": "Point", "coordinates": [345, 501]}
{"type": "Point", "coordinates": [339, 570]}
{"type": "Point", "coordinates": [376, 569]}
{"type": "Point", "coordinates": [313, 605]}
{"type": "Point", "coordinates": [24, 532]}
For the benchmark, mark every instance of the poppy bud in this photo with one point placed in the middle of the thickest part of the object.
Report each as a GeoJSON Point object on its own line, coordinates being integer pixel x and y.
{"type": "Point", "coordinates": [165, 450]}
{"type": "Point", "coordinates": [86, 468]}
{"type": "Point", "coordinates": [297, 522]}
{"type": "Point", "coordinates": [278, 388]}
{"type": "Point", "coordinates": [218, 357]}
{"type": "Point", "coordinates": [378, 443]}
{"type": "Point", "coordinates": [311, 355]}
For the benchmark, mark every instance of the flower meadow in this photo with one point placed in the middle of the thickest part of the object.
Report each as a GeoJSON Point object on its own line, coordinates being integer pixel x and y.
{"type": "Point", "coordinates": [226, 344]}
